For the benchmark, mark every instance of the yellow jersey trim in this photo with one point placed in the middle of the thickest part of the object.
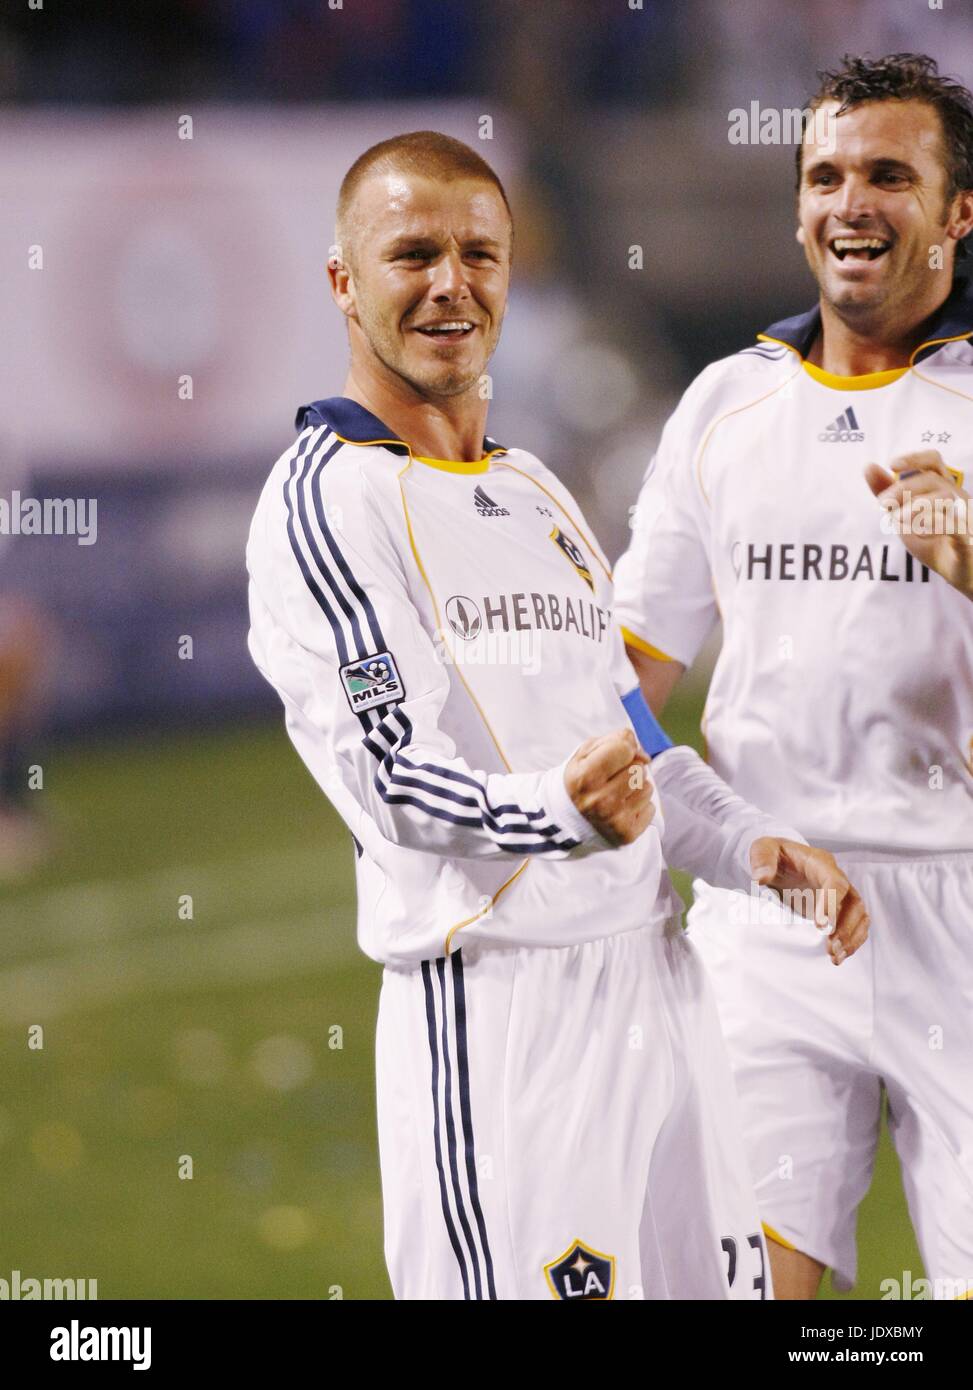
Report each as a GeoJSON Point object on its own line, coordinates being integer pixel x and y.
{"type": "Point", "coordinates": [438, 615]}
{"type": "Point", "coordinates": [868, 381]}
{"type": "Point", "coordinates": [483, 910]}
{"type": "Point", "coordinates": [445, 465]}
{"type": "Point", "coordinates": [459, 671]}
{"type": "Point", "coordinates": [727, 414]}
{"type": "Point", "coordinates": [776, 1237]}
{"type": "Point", "coordinates": [953, 391]}
{"type": "Point", "coordinates": [366, 443]}
{"type": "Point", "coordinates": [938, 342]}
{"type": "Point", "coordinates": [457, 465]}
{"type": "Point", "coordinates": [640, 644]}
{"type": "Point", "coordinates": [592, 548]}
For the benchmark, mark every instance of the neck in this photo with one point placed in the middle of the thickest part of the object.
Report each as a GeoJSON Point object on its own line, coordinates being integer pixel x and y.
{"type": "Point", "coordinates": [856, 349]}
{"type": "Point", "coordinates": [440, 427]}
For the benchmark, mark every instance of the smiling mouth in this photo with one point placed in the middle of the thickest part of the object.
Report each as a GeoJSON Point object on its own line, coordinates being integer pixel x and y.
{"type": "Point", "coordinates": [858, 248]}
{"type": "Point", "coordinates": [448, 331]}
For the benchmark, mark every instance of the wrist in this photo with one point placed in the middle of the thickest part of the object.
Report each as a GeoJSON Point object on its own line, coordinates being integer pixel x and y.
{"type": "Point", "coordinates": [556, 801]}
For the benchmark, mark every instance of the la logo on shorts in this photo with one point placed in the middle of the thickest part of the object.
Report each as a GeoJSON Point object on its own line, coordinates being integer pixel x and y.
{"type": "Point", "coordinates": [581, 1273]}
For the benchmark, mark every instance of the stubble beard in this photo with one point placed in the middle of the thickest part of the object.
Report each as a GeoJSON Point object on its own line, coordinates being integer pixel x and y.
{"type": "Point", "coordinates": [448, 383]}
{"type": "Point", "coordinates": [861, 314]}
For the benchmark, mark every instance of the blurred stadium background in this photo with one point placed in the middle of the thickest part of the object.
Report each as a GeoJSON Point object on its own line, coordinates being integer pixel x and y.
{"type": "Point", "coordinates": [162, 777]}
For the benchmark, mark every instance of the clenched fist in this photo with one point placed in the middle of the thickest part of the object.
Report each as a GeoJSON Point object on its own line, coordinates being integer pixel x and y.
{"type": "Point", "coordinates": [931, 513]}
{"type": "Point", "coordinates": [608, 780]}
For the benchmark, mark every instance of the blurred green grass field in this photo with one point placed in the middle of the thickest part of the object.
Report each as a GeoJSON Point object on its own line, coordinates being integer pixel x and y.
{"type": "Point", "coordinates": [213, 1038]}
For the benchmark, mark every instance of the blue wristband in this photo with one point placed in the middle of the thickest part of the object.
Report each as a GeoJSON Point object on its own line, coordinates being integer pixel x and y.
{"type": "Point", "coordinates": [649, 731]}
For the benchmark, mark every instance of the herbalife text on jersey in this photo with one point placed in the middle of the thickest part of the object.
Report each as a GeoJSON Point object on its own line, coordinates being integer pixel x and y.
{"type": "Point", "coordinates": [49, 516]}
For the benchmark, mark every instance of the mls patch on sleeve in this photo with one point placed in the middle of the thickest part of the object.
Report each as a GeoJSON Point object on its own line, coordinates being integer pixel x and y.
{"type": "Point", "coordinates": [372, 680]}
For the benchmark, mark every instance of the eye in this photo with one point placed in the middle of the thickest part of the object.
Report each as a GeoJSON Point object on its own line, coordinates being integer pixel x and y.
{"type": "Point", "coordinates": [823, 180]}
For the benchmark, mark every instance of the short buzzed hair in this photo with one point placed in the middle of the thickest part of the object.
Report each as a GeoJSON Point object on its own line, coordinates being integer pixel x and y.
{"type": "Point", "coordinates": [426, 152]}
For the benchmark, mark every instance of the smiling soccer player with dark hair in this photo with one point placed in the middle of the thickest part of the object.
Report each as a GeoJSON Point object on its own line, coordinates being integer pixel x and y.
{"type": "Point", "coordinates": [843, 694]}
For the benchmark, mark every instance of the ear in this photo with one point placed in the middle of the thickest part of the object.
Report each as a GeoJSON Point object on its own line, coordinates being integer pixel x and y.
{"type": "Point", "coordinates": [960, 220]}
{"type": "Point", "coordinates": [342, 283]}
{"type": "Point", "coordinates": [799, 235]}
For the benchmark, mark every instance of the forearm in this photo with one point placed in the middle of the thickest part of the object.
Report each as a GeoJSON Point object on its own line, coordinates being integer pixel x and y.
{"type": "Point", "coordinates": [709, 830]}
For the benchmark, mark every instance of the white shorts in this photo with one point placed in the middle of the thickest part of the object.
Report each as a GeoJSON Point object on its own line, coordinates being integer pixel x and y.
{"type": "Point", "coordinates": [560, 1123]}
{"type": "Point", "coordinates": [812, 1045]}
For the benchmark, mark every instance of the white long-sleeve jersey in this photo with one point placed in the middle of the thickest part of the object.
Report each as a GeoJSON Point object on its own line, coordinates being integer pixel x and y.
{"type": "Point", "coordinates": [441, 637]}
{"type": "Point", "coordinates": [843, 694]}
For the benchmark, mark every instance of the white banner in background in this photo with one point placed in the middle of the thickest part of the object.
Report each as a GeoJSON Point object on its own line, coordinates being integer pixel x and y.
{"type": "Point", "coordinates": [171, 302]}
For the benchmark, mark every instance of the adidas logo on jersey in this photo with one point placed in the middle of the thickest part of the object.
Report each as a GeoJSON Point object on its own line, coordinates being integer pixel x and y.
{"type": "Point", "coordinates": [486, 506]}
{"type": "Point", "coordinates": [844, 430]}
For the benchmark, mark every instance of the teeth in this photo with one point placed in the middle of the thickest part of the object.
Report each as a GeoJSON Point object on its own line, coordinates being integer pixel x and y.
{"type": "Point", "coordinates": [859, 243]}
{"type": "Point", "coordinates": [451, 327]}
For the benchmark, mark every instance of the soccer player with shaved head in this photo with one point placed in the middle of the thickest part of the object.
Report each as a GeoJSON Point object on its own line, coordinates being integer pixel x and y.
{"type": "Point", "coordinates": [555, 1109]}
{"type": "Point", "coordinates": [842, 698]}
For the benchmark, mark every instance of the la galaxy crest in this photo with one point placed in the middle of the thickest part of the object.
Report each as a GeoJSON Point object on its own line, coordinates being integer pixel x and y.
{"type": "Point", "coordinates": [573, 553]}
{"type": "Point", "coordinates": [581, 1273]}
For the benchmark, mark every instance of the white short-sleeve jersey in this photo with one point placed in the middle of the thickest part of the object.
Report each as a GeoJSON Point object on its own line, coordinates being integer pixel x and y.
{"type": "Point", "coordinates": [843, 694]}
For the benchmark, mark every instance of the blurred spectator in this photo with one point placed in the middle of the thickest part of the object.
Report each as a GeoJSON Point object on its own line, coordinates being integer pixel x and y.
{"type": "Point", "coordinates": [25, 646]}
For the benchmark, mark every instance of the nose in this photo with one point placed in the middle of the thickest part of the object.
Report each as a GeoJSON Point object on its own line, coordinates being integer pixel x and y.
{"type": "Point", "coordinates": [448, 277]}
{"type": "Point", "coordinates": [855, 199]}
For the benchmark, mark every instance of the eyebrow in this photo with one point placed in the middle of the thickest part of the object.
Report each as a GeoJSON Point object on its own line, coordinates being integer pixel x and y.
{"type": "Point", "coordinates": [405, 243]}
{"type": "Point", "coordinates": [883, 164]}
{"type": "Point", "coordinates": [900, 166]}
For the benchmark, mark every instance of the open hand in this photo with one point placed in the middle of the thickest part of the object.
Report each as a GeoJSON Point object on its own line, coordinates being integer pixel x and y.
{"type": "Point", "coordinates": [809, 882]}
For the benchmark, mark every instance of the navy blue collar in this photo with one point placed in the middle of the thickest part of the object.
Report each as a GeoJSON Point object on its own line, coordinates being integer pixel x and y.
{"type": "Point", "coordinates": [353, 422]}
{"type": "Point", "coordinates": [349, 420]}
{"type": "Point", "coordinates": [954, 319]}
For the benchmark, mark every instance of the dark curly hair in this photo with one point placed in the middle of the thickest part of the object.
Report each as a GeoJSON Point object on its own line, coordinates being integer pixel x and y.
{"type": "Point", "coordinates": [907, 77]}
